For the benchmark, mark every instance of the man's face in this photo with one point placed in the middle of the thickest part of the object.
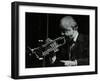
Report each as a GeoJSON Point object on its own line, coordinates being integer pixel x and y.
{"type": "Point", "coordinates": [67, 26]}
{"type": "Point", "coordinates": [68, 32]}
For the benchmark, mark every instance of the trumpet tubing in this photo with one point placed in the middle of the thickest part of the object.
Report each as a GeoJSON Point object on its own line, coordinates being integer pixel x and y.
{"type": "Point", "coordinates": [50, 46]}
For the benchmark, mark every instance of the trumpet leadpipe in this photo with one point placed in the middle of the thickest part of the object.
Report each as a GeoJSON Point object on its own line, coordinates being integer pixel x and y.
{"type": "Point", "coordinates": [57, 40]}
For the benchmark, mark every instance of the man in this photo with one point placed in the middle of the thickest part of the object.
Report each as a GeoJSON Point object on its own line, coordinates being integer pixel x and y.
{"type": "Point", "coordinates": [75, 51]}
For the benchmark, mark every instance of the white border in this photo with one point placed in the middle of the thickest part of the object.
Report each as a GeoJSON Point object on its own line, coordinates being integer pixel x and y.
{"type": "Point", "coordinates": [52, 70]}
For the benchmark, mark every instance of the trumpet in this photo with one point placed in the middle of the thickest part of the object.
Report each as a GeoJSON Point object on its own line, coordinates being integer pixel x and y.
{"type": "Point", "coordinates": [49, 46]}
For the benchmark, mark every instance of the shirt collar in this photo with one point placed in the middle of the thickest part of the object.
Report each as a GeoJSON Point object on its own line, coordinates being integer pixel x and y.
{"type": "Point", "coordinates": [76, 36]}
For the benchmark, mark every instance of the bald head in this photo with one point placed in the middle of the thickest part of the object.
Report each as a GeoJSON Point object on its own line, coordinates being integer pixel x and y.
{"type": "Point", "coordinates": [68, 21]}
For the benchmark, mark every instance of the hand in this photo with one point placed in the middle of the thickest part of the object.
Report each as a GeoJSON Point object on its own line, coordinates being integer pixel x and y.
{"type": "Point", "coordinates": [69, 63]}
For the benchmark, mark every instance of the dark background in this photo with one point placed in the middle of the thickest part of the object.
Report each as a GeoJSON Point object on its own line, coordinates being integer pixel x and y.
{"type": "Point", "coordinates": [37, 29]}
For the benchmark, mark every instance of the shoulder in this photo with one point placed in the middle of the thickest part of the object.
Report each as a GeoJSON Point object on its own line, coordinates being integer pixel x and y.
{"type": "Point", "coordinates": [83, 38]}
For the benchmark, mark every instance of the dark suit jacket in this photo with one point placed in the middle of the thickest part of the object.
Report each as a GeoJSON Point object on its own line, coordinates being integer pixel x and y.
{"type": "Point", "coordinates": [79, 52]}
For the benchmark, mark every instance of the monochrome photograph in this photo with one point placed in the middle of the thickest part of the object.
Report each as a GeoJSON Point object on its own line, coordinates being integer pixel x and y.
{"type": "Point", "coordinates": [56, 40]}
{"type": "Point", "coordinates": [51, 40]}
